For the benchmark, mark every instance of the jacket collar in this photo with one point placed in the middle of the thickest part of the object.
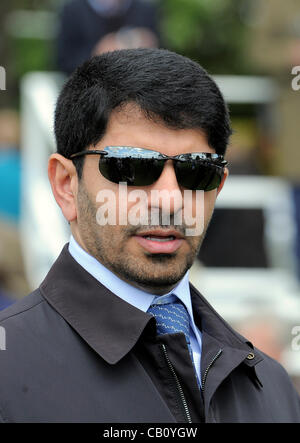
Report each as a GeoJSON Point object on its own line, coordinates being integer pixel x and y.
{"type": "Point", "coordinates": [107, 323]}
{"type": "Point", "coordinates": [112, 326]}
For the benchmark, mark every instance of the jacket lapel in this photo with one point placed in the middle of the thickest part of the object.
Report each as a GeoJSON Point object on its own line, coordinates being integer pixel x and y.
{"type": "Point", "coordinates": [107, 323]}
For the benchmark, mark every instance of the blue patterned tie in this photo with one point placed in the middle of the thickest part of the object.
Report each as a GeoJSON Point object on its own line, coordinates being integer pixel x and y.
{"type": "Point", "coordinates": [172, 317]}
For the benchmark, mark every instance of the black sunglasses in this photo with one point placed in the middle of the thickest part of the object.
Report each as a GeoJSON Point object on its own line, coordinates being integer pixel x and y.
{"type": "Point", "coordinates": [142, 167]}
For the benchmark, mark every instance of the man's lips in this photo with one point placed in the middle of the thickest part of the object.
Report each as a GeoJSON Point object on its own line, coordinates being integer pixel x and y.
{"type": "Point", "coordinates": [160, 242]}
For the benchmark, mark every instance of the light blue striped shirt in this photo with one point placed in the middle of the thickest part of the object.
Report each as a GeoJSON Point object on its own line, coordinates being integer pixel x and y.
{"type": "Point", "coordinates": [136, 297]}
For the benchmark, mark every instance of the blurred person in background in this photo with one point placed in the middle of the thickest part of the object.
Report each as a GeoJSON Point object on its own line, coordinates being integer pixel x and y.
{"type": "Point", "coordinates": [90, 27]}
{"type": "Point", "coordinates": [12, 275]}
{"type": "Point", "coordinates": [5, 298]}
{"type": "Point", "coordinates": [270, 331]}
{"type": "Point", "coordinates": [267, 330]}
{"type": "Point", "coordinates": [10, 166]}
{"type": "Point", "coordinates": [275, 50]}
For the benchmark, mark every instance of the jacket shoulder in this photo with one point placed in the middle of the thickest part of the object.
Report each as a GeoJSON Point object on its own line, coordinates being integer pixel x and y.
{"type": "Point", "coordinates": [281, 391]}
{"type": "Point", "coordinates": [269, 366]}
{"type": "Point", "coordinates": [25, 305]}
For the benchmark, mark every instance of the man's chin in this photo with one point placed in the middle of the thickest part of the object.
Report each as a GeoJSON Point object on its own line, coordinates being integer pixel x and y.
{"type": "Point", "coordinates": [161, 277]}
{"type": "Point", "coordinates": [157, 285]}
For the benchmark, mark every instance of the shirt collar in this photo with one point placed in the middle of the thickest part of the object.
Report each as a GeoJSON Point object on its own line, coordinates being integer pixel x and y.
{"type": "Point", "coordinates": [136, 297]}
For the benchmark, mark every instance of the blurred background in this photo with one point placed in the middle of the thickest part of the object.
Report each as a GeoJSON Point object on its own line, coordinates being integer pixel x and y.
{"type": "Point", "coordinates": [249, 265]}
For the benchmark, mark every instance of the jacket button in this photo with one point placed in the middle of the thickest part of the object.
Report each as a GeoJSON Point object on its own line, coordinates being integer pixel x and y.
{"type": "Point", "coordinates": [250, 356]}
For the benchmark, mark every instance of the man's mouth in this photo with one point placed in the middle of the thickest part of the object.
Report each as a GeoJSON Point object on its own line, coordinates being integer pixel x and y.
{"type": "Point", "coordinates": [159, 241]}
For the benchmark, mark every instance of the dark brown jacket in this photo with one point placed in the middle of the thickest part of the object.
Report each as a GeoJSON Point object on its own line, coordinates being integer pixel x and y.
{"type": "Point", "coordinates": [75, 352]}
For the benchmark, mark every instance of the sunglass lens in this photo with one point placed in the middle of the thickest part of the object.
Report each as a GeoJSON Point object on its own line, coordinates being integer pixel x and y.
{"type": "Point", "coordinates": [215, 179]}
{"type": "Point", "coordinates": [133, 171]}
{"type": "Point", "coordinates": [198, 176]}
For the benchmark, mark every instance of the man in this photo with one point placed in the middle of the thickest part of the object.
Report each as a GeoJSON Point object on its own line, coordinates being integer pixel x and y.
{"type": "Point", "coordinates": [115, 333]}
{"type": "Point", "coordinates": [90, 27]}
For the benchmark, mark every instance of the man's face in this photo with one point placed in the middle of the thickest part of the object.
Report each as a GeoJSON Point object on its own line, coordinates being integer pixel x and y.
{"type": "Point", "coordinates": [141, 254]}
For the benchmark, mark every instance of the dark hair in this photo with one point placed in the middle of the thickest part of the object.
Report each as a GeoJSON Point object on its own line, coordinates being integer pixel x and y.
{"type": "Point", "coordinates": [163, 84]}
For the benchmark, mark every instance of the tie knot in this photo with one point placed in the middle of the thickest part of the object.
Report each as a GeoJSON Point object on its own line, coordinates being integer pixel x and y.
{"type": "Point", "coordinates": [171, 317]}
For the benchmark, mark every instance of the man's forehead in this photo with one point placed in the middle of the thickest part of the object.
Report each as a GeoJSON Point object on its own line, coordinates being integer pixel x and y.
{"type": "Point", "coordinates": [130, 125]}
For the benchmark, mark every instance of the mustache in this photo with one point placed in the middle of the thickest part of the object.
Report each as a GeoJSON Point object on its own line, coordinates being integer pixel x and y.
{"type": "Point", "coordinates": [160, 224]}
{"type": "Point", "coordinates": [163, 222]}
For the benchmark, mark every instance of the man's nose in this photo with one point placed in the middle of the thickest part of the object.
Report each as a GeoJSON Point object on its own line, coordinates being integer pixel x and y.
{"type": "Point", "coordinates": [166, 192]}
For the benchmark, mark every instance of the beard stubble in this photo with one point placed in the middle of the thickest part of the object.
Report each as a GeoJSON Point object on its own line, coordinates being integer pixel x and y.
{"type": "Point", "coordinates": [107, 244]}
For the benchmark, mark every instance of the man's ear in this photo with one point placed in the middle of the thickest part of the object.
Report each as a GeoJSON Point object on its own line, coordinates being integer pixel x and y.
{"type": "Point", "coordinates": [64, 183]}
{"type": "Point", "coordinates": [225, 175]}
